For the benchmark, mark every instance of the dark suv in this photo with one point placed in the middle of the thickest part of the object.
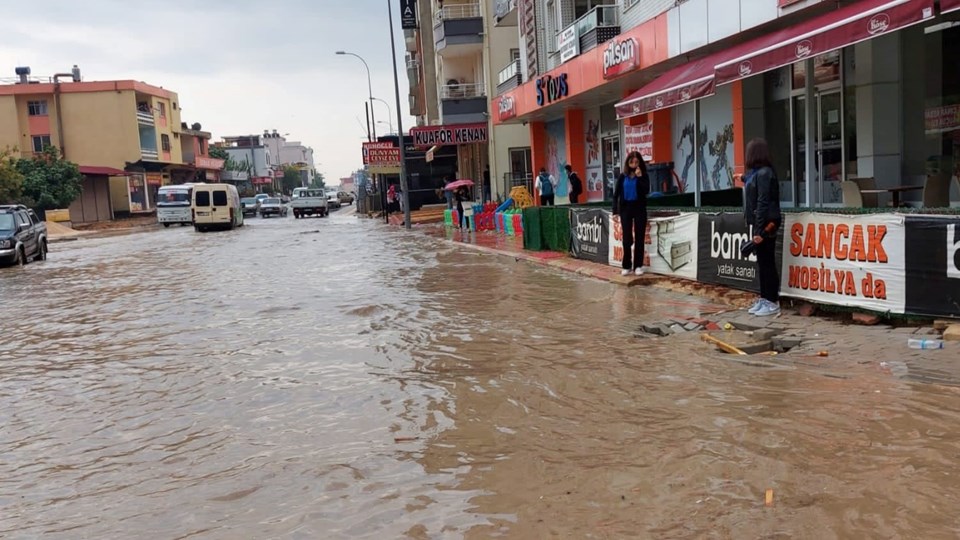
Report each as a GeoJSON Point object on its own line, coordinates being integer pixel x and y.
{"type": "Point", "coordinates": [22, 235]}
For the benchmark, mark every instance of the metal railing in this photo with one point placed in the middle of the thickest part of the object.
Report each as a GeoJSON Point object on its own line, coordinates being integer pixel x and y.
{"type": "Point", "coordinates": [145, 117]}
{"type": "Point", "coordinates": [463, 91]}
{"type": "Point", "coordinates": [513, 179]}
{"type": "Point", "coordinates": [413, 63]}
{"type": "Point", "coordinates": [509, 72]}
{"type": "Point", "coordinates": [148, 153]}
{"type": "Point", "coordinates": [459, 11]}
{"type": "Point", "coordinates": [607, 15]}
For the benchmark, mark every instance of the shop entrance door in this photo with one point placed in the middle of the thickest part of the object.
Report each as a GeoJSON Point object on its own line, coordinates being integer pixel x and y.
{"type": "Point", "coordinates": [611, 165]}
{"type": "Point", "coordinates": [828, 140]}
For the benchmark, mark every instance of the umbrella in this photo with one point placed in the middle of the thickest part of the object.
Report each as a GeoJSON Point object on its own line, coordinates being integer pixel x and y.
{"type": "Point", "coordinates": [463, 182]}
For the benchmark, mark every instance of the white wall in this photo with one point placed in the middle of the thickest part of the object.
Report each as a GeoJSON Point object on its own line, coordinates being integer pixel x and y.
{"type": "Point", "coordinates": [696, 23]}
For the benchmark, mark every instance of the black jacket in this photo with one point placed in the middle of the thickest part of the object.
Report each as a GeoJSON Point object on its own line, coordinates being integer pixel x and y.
{"type": "Point", "coordinates": [643, 189]}
{"type": "Point", "coordinates": [576, 185]}
{"type": "Point", "coordinates": [761, 199]}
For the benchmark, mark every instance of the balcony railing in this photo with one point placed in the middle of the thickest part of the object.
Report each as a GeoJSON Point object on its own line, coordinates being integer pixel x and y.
{"type": "Point", "coordinates": [463, 91]}
{"type": "Point", "coordinates": [608, 15]}
{"type": "Point", "coordinates": [145, 117]}
{"type": "Point", "coordinates": [413, 64]}
{"type": "Point", "coordinates": [458, 11]}
{"type": "Point", "coordinates": [512, 71]}
{"type": "Point", "coordinates": [149, 154]}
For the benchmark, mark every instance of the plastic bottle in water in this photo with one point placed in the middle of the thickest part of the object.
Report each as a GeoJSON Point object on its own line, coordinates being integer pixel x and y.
{"type": "Point", "coordinates": [925, 343]}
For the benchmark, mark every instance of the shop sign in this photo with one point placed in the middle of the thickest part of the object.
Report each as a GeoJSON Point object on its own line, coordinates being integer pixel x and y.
{"type": "Point", "coordinates": [940, 119]}
{"type": "Point", "coordinates": [669, 245]}
{"type": "Point", "coordinates": [568, 43]}
{"type": "Point", "coordinates": [381, 154]}
{"type": "Point", "coordinates": [507, 108]}
{"type": "Point", "coordinates": [589, 235]}
{"type": "Point", "coordinates": [621, 56]}
{"type": "Point", "coordinates": [202, 162]}
{"type": "Point", "coordinates": [408, 14]}
{"type": "Point", "coordinates": [550, 89]}
{"type": "Point", "coordinates": [855, 261]}
{"type": "Point", "coordinates": [449, 135]}
{"type": "Point", "coordinates": [154, 179]}
{"type": "Point", "coordinates": [932, 251]}
{"type": "Point", "coordinates": [718, 252]}
{"type": "Point", "coordinates": [211, 175]}
{"type": "Point", "coordinates": [640, 139]}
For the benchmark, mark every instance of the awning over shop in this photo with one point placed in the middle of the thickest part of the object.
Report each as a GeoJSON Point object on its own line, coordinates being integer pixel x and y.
{"type": "Point", "coordinates": [683, 83]}
{"type": "Point", "coordinates": [92, 170]}
{"type": "Point", "coordinates": [946, 6]}
{"type": "Point", "coordinates": [828, 32]}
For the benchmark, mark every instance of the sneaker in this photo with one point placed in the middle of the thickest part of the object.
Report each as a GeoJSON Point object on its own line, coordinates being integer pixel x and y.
{"type": "Point", "coordinates": [768, 309]}
{"type": "Point", "coordinates": [639, 271]}
{"type": "Point", "coordinates": [756, 305]}
{"type": "Point", "coordinates": [625, 272]}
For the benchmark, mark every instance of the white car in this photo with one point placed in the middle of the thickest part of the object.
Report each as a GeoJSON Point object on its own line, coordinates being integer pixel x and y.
{"type": "Point", "coordinates": [333, 199]}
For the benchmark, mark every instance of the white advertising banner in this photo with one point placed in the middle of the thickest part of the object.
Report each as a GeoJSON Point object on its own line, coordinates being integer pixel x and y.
{"type": "Point", "coordinates": [855, 261]}
{"type": "Point", "coordinates": [670, 244]}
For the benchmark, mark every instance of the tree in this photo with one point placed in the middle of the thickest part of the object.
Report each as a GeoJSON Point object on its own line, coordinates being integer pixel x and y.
{"type": "Point", "coordinates": [49, 181]}
{"type": "Point", "coordinates": [318, 181]}
{"type": "Point", "coordinates": [291, 179]}
{"type": "Point", "coordinates": [11, 181]}
{"type": "Point", "coordinates": [218, 152]}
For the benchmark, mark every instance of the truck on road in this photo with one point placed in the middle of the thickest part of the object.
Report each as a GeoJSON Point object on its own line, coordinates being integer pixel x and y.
{"type": "Point", "coordinates": [309, 202]}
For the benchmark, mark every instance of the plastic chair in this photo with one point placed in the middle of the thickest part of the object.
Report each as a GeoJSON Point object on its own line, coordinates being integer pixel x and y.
{"type": "Point", "coordinates": [870, 200]}
{"type": "Point", "coordinates": [936, 191]}
{"type": "Point", "coordinates": [851, 194]}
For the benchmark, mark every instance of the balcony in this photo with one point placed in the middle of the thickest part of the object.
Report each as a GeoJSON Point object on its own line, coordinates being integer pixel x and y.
{"type": "Point", "coordinates": [410, 39]}
{"type": "Point", "coordinates": [509, 78]}
{"type": "Point", "coordinates": [145, 114]}
{"type": "Point", "coordinates": [415, 106]}
{"type": "Point", "coordinates": [463, 103]}
{"type": "Point", "coordinates": [413, 72]}
{"type": "Point", "coordinates": [597, 26]}
{"type": "Point", "coordinates": [149, 153]}
{"type": "Point", "coordinates": [458, 29]}
{"type": "Point", "coordinates": [505, 13]}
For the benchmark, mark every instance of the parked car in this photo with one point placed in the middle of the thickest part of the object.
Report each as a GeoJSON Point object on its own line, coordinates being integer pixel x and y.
{"type": "Point", "coordinates": [23, 236]}
{"type": "Point", "coordinates": [272, 207]}
{"type": "Point", "coordinates": [261, 196]}
{"type": "Point", "coordinates": [309, 202]}
{"type": "Point", "coordinates": [345, 198]}
{"type": "Point", "coordinates": [333, 199]}
{"type": "Point", "coordinates": [251, 205]}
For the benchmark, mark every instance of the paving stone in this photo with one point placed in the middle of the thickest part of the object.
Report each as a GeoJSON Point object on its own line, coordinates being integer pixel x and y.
{"type": "Point", "coordinates": [785, 343]}
{"type": "Point", "coordinates": [942, 324]}
{"type": "Point", "coordinates": [677, 329]}
{"type": "Point", "coordinates": [749, 322]}
{"type": "Point", "coordinates": [766, 333]}
{"type": "Point", "coordinates": [712, 326]}
{"type": "Point", "coordinates": [868, 319]}
{"type": "Point", "coordinates": [663, 330]}
{"type": "Point", "coordinates": [651, 329]}
{"type": "Point", "coordinates": [806, 310]}
{"type": "Point", "coordinates": [691, 326]}
{"type": "Point", "coordinates": [952, 333]}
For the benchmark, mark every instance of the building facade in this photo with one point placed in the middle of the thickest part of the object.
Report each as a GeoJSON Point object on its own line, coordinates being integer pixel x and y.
{"type": "Point", "coordinates": [867, 84]}
{"type": "Point", "coordinates": [284, 153]}
{"type": "Point", "coordinates": [124, 135]}
{"type": "Point", "coordinates": [253, 168]}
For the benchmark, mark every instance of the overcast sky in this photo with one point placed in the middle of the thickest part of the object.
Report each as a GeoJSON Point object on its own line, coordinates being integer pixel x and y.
{"type": "Point", "coordinates": [239, 66]}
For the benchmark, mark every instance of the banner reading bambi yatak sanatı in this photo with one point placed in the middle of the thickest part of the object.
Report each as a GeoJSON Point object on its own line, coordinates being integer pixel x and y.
{"type": "Point", "coordinates": [855, 261]}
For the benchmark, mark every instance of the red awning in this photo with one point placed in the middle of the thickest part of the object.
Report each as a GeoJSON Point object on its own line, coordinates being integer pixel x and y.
{"type": "Point", "coordinates": [946, 6]}
{"type": "Point", "coordinates": [100, 171]}
{"type": "Point", "coordinates": [683, 83]}
{"type": "Point", "coordinates": [828, 32]}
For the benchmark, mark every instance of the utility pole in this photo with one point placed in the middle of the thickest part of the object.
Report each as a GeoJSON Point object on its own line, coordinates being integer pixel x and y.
{"type": "Point", "coordinates": [403, 152]}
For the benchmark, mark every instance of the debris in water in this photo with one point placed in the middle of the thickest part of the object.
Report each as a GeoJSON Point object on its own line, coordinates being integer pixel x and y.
{"type": "Point", "coordinates": [769, 498]}
{"type": "Point", "coordinates": [404, 439]}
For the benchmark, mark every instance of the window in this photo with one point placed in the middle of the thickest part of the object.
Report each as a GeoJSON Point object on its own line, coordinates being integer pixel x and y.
{"type": "Point", "coordinates": [163, 109]}
{"type": "Point", "coordinates": [165, 142]}
{"type": "Point", "coordinates": [40, 142]}
{"type": "Point", "coordinates": [37, 108]}
{"type": "Point", "coordinates": [203, 198]}
{"type": "Point", "coordinates": [33, 217]}
{"type": "Point", "coordinates": [220, 198]}
{"type": "Point", "coordinates": [22, 219]}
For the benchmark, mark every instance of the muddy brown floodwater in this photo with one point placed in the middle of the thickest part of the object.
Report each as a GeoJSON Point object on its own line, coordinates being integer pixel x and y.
{"type": "Point", "coordinates": [329, 378]}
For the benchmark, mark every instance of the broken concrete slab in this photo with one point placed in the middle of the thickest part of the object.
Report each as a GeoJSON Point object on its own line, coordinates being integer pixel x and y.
{"type": "Point", "coordinates": [746, 343]}
{"type": "Point", "coordinates": [691, 326]}
{"type": "Point", "coordinates": [749, 322]}
{"type": "Point", "coordinates": [677, 329]}
{"type": "Point", "coordinates": [867, 319]}
{"type": "Point", "coordinates": [766, 333]}
{"type": "Point", "coordinates": [652, 328]}
{"type": "Point", "coordinates": [783, 344]}
{"type": "Point", "coordinates": [952, 333]}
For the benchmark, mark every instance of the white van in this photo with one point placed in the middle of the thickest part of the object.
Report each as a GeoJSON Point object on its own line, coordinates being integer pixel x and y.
{"type": "Point", "coordinates": [173, 204]}
{"type": "Point", "coordinates": [216, 206]}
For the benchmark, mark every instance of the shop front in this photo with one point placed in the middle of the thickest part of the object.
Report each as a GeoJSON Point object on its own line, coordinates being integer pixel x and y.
{"type": "Point", "coordinates": [433, 146]}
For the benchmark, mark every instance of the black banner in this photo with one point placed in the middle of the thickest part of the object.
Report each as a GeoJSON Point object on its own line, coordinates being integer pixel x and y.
{"type": "Point", "coordinates": [933, 265]}
{"type": "Point", "coordinates": [718, 252]}
{"type": "Point", "coordinates": [408, 14]}
{"type": "Point", "coordinates": [589, 235]}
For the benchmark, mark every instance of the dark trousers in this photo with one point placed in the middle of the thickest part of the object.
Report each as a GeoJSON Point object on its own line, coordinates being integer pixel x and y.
{"type": "Point", "coordinates": [634, 224]}
{"type": "Point", "coordinates": [546, 200]}
{"type": "Point", "coordinates": [574, 198]}
{"type": "Point", "coordinates": [460, 213]}
{"type": "Point", "coordinates": [767, 270]}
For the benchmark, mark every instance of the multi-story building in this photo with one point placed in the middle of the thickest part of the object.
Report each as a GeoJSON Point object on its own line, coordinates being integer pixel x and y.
{"type": "Point", "coordinates": [198, 166]}
{"type": "Point", "coordinates": [122, 134]}
{"type": "Point", "coordinates": [284, 153]}
{"type": "Point", "coordinates": [860, 89]}
{"type": "Point", "coordinates": [256, 166]}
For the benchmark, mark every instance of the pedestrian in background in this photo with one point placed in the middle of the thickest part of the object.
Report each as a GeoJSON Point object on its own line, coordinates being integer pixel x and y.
{"type": "Point", "coordinates": [448, 194]}
{"type": "Point", "coordinates": [576, 185]}
{"type": "Point", "coordinates": [546, 186]}
{"type": "Point", "coordinates": [486, 184]}
{"type": "Point", "coordinates": [761, 210]}
{"type": "Point", "coordinates": [461, 194]}
{"type": "Point", "coordinates": [630, 203]}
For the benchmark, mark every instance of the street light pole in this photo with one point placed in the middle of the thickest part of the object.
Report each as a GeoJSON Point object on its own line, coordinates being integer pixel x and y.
{"type": "Point", "coordinates": [373, 120]}
{"type": "Point", "coordinates": [389, 112]}
{"type": "Point", "coordinates": [403, 144]}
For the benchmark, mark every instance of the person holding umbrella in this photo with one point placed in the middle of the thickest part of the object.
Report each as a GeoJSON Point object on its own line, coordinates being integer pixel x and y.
{"type": "Point", "coordinates": [461, 192]}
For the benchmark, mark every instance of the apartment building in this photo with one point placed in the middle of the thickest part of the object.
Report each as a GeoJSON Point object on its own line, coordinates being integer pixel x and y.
{"type": "Point", "coordinates": [257, 166]}
{"type": "Point", "coordinates": [861, 89]}
{"type": "Point", "coordinates": [124, 135]}
{"type": "Point", "coordinates": [284, 153]}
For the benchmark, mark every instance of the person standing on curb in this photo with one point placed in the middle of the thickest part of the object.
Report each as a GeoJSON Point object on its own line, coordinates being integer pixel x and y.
{"type": "Point", "coordinates": [761, 210]}
{"type": "Point", "coordinates": [547, 186]}
{"type": "Point", "coordinates": [448, 194]}
{"type": "Point", "coordinates": [630, 203]}
{"type": "Point", "coordinates": [576, 185]}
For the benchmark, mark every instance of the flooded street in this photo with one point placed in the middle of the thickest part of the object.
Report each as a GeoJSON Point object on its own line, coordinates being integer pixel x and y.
{"type": "Point", "coordinates": [331, 378]}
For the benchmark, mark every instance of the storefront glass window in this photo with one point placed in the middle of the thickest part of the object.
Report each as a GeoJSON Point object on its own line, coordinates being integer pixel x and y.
{"type": "Point", "coordinates": [777, 129]}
